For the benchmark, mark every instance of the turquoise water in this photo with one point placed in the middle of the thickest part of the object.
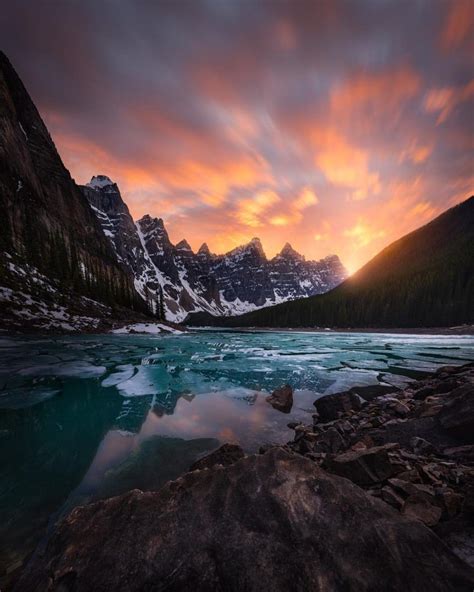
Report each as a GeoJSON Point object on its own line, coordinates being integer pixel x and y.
{"type": "Point", "coordinates": [93, 416]}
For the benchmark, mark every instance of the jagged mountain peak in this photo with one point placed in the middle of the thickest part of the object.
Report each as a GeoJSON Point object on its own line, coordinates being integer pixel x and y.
{"type": "Point", "coordinates": [99, 182]}
{"type": "Point", "coordinates": [289, 253]}
{"type": "Point", "coordinates": [148, 220]}
{"type": "Point", "coordinates": [183, 245]}
{"type": "Point", "coordinates": [204, 249]}
{"type": "Point", "coordinates": [254, 246]}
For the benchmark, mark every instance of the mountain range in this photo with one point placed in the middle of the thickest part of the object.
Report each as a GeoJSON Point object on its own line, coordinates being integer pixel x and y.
{"type": "Point", "coordinates": [424, 279]}
{"type": "Point", "coordinates": [241, 280]}
{"type": "Point", "coordinates": [72, 255]}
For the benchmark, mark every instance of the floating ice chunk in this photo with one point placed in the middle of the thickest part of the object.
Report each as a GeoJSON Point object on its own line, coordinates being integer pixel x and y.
{"type": "Point", "coordinates": [121, 374]}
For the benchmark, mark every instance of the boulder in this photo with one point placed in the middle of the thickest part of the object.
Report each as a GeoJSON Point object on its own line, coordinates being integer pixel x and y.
{"type": "Point", "coordinates": [282, 399]}
{"type": "Point", "coordinates": [424, 392]}
{"type": "Point", "coordinates": [329, 441]}
{"type": "Point", "coordinates": [363, 467]}
{"type": "Point", "coordinates": [225, 455]}
{"type": "Point", "coordinates": [422, 446]}
{"type": "Point", "coordinates": [457, 416]}
{"type": "Point", "coordinates": [418, 507]}
{"type": "Point", "coordinates": [269, 522]}
{"type": "Point", "coordinates": [330, 406]}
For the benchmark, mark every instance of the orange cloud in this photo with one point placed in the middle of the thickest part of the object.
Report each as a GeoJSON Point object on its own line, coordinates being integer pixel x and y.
{"type": "Point", "coordinates": [375, 93]}
{"type": "Point", "coordinates": [417, 153]}
{"type": "Point", "coordinates": [363, 234]}
{"type": "Point", "coordinates": [459, 25]}
{"type": "Point", "coordinates": [305, 199]}
{"type": "Point", "coordinates": [444, 100]}
{"type": "Point", "coordinates": [250, 211]}
{"type": "Point", "coordinates": [345, 165]}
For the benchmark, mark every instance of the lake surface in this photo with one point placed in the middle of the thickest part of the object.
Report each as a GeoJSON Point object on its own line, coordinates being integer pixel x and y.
{"type": "Point", "coordinates": [93, 416]}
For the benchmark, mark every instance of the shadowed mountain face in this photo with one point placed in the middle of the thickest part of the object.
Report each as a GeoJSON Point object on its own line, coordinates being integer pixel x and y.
{"type": "Point", "coordinates": [48, 230]}
{"type": "Point", "coordinates": [239, 281]}
{"type": "Point", "coordinates": [424, 279]}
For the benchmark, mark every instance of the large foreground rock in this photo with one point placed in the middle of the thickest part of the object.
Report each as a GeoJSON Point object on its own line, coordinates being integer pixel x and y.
{"type": "Point", "coordinates": [274, 522]}
{"type": "Point", "coordinates": [330, 407]}
{"type": "Point", "coordinates": [282, 399]}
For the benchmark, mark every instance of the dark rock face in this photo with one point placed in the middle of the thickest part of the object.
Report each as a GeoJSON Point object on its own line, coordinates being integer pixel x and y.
{"type": "Point", "coordinates": [282, 399]}
{"type": "Point", "coordinates": [274, 522]}
{"type": "Point", "coordinates": [225, 456]}
{"type": "Point", "coordinates": [48, 229]}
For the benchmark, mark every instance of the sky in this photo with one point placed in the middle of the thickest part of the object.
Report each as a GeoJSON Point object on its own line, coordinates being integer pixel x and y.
{"type": "Point", "coordinates": [337, 126]}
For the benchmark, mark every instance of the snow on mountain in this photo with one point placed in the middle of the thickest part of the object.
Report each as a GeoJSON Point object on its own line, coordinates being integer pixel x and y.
{"type": "Point", "coordinates": [239, 281]}
{"type": "Point", "coordinates": [100, 182]}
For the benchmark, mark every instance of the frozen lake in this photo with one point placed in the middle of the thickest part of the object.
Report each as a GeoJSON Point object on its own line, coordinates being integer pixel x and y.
{"type": "Point", "coordinates": [92, 416]}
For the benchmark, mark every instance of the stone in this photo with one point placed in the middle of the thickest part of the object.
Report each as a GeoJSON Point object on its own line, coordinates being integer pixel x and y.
{"type": "Point", "coordinates": [329, 441]}
{"type": "Point", "coordinates": [282, 399]}
{"type": "Point", "coordinates": [422, 446]}
{"type": "Point", "coordinates": [400, 408]}
{"type": "Point", "coordinates": [451, 502]}
{"type": "Point", "coordinates": [447, 386]}
{"type": "Point", "coordinates": [423, 393]}
{"type": "Point", "coordinates": [406, 488]}
{"type": "Point", "coordinates": [410, 475]}
{"type": "Point", "coordinates": [269, 522]}
{"type": "Point", "coordinates": [359, 445]}
{"type": "Point", "coordinates": [363, 467]}
{"type": "Point", "coordinates": [457, 416]}
{"type": "Point", "coordinates": [416, 506]}
{"type": "Point", "coordinates": [225, 455]}
{"type": "Point", "coordinates": [330, 407]}
{"type": "Point", "coordinates": [391, 497]}
{"type": "Point", "coordinates": [462, 453]}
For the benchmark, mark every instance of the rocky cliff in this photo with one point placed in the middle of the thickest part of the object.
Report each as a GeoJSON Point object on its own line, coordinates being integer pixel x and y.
{"type": "Point", "coordinates": [51, 242]}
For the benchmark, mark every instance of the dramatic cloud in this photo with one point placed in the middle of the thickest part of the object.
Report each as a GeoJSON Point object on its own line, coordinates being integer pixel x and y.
{"type": "Point", "coordinates": [335, 125]}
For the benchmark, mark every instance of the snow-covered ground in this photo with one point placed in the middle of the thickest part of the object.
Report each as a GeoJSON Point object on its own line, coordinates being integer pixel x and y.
{"type": "Point", "coordinates": [149, 328]}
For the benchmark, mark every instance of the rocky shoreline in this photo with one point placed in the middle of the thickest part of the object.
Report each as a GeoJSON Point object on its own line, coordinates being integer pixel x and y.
{"type": "Point", "coordinates": [377, 493]}
{"type": "Point", "coordinates": [412, 448]}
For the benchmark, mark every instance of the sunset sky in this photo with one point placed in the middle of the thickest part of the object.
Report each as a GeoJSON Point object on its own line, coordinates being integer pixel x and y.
{"type": "Point", "coordinates": [336, 126]}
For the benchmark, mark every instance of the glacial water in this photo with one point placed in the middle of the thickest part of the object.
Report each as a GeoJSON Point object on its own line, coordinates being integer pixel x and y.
{"type": "Point", "coordinates": [88, 417]}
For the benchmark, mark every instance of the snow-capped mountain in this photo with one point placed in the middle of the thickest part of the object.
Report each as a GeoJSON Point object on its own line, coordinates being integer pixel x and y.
{"type": "Point", "coordinates": [239, 281]}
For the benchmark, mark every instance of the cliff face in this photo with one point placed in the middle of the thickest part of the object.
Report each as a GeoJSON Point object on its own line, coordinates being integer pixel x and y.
{"type": "Point", "coordinates": [48, 228]}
